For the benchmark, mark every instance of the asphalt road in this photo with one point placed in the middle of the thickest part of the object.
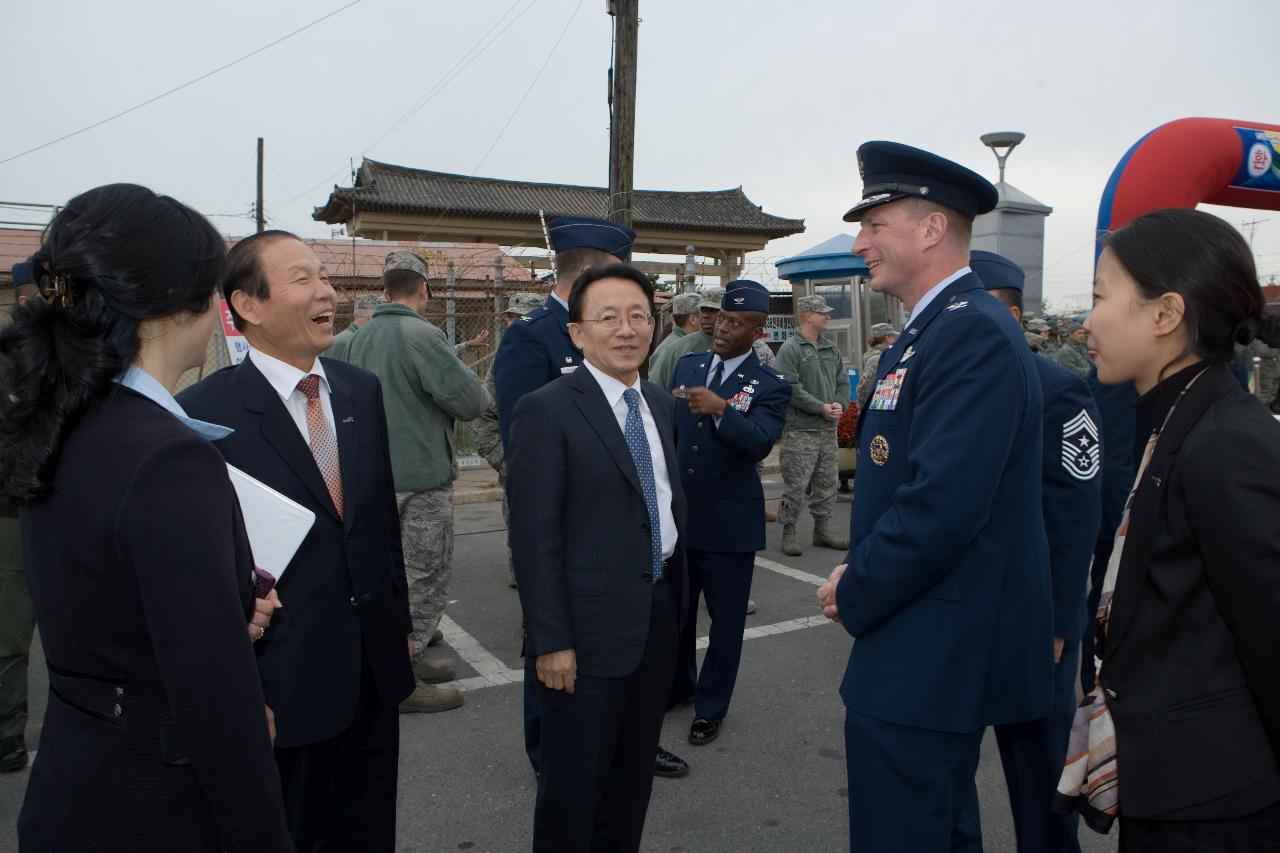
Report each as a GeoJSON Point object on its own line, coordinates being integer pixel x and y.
{"type": "Point", "coordinates": [774, 781]}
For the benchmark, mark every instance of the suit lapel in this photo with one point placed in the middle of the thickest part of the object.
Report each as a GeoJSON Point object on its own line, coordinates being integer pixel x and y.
{"type": "Point", "coordinates": [1150, 497]}
{"type": "Point", "coordinates": [595, 409]}
{"type": "Point", "coordinates": [733, 382]}
{"type": "Point", "coordinates": [348, 429]}
{"type": "Point", "coordinates": [281, 433]}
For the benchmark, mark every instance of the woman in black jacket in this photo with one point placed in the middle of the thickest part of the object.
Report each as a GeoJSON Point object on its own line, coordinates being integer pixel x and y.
{"type": "Point", "coordinates": [1190, 636]}
{"type": "Point", "coordinates": [136, 555]}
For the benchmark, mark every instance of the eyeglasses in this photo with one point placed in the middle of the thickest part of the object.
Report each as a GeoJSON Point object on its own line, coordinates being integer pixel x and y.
{"type": "Point", "coordinates": [613, 322]}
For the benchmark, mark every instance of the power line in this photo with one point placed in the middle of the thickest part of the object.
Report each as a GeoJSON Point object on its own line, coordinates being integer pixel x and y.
{"type": "Point", "coordinates": [175, 89]}
{"type": "Point", "coordinates": [436, 88]}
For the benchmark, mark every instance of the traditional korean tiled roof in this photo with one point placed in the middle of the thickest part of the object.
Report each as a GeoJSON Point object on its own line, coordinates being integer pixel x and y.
{"type": "Point", "coordinates": [385, 188]}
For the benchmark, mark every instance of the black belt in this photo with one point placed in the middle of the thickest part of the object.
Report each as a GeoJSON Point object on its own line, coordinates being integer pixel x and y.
{"type": "Point", "coordinates": [666, 571]}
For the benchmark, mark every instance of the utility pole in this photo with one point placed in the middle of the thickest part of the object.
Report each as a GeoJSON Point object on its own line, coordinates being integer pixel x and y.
{"type": "Point", "coordinates": [622, 105]}
{"type": "Point", "coordinates": [1252, 225]}
{"type": "Point", "coordinates": [257, 207]}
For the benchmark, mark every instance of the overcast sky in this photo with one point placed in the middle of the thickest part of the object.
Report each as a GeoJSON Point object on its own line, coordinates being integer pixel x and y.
{"type": "Point", "coordinates": [773, 96]}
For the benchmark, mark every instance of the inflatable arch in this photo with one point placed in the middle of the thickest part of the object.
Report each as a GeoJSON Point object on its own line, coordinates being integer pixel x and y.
{"type": "Point", "coordinates": [1191, 161]}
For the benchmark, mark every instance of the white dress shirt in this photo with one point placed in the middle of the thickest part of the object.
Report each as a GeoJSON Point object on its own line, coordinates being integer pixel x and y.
{"type": "Point", "coordinates": [613, 390]}
{"type": "Point", "coordinates": [284, 378]}
{"type": "Point", "coordinates": [935, 290]}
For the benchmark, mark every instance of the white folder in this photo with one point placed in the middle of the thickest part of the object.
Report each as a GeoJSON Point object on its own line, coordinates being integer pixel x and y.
{"type": "Point", "coordinates": [276, 524]}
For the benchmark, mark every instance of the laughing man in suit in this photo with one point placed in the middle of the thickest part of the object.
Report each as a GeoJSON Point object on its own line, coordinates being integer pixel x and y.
{"type": "Point", "coordinates": [335, 667]}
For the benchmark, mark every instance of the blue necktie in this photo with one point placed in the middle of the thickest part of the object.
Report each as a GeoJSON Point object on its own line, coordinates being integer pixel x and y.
{"type": "Point", "coordinates": [717, 377]}
{"type": "Point", "coordinates": [638, 444]}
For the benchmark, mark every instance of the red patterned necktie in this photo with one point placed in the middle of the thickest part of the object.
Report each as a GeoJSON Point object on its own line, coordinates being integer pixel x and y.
{"type": "Point", "coordinates": [323, 445]}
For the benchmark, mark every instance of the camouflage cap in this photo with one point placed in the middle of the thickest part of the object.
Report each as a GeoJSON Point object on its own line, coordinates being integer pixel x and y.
{"type": "Point", "coordinates": [1033, 340]}
{"type": "Point", "coordinates": [1037, 324]}
{"type": "Point", "coordinates": [685, 303]}
{"type": "Point", "coordinates": [881, 330]}
{"type": "Point", "coordinates": [710, 298]}
{"type": "Point", "coordinates": [368, 302]}
{"type": "Point", "coordinates": [405, 260]}
{"type": "Point", "coordinates": [813, 303]}
{"type": "Point", "coordinates": [523, 303]}
{"type": "Point", "coordinates": [1072, 326]}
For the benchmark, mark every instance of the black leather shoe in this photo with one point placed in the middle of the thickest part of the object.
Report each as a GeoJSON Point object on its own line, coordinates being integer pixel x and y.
{"type": "Point", "coordinates": [669, 766]}
{"type": "Point", "coordinates": [13, 754]}
{"type": "Point", "coordinates": [703, 731]}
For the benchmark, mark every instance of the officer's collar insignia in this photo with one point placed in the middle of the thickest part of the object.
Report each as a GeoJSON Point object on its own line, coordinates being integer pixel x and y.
{"type": "Point", "coordinates": [907, 355]}
{"type": "Point", "coordinates": [914, 332]}
{"type": "Point", "coordinates": [740, 376]}
{"type": "Point", "coordinates": [879, 448]}
{"type": "Point", "coordinates": [955, 306]}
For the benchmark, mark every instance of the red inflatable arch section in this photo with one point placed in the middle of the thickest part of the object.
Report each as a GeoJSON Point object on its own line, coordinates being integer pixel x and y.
{"type": "Point", "coordinates": [1192, 161]}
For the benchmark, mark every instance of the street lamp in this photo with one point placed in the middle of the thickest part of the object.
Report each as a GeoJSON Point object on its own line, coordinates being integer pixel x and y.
{"type": "Point", "coordinates": [1002, 143]}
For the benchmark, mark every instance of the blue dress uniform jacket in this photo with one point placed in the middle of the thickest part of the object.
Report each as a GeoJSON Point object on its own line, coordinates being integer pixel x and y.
{"type": "Point", "coordinates": [140, 573]}
{"type": "Point", "coordinates": [344, 591]}
{"type": "Point", "coordinates": [947, 588]}
{"type": "Point", "coordinates": [1072, 490]}
{"type": "Point", "coordinates": [535, 350]}
{"type": "Point", "coordinates": [717, 462]}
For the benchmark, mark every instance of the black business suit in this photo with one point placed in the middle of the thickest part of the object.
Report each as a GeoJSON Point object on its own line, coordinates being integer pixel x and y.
{"type": "Point", "coordinates": [334, 663]}
{"type": "Point", "coordinates": [140, 572]}
{"type": "Point", "coordinates": [1189, 662]}
{"type": "Point", "coordinates": [580, 542]}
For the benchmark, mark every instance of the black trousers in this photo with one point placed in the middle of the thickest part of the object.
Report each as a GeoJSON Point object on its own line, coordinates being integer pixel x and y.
{"type": "Point", "coordinates": [1253, 833]}
{"type": "Point", "coordinates": [598, 746]}
{"type": "Point", "coordinates": [340, 794]}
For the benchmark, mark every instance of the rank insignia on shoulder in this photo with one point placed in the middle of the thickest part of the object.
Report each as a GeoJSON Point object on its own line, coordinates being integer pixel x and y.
{"type": "Point", "coordinates": [879, 450]}
{"type": "Point", "coordinates": [526, 319]}
{"type": "Point", "coordinates": [1081, 454]}
{"type": "Point", "coordinates": [956, 306]}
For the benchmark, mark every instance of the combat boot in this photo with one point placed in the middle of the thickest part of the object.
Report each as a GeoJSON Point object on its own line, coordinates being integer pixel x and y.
{"type": "Point", "coordinates": [429, 698]}
{"type": "Point", "coordinates": [432, 673]}
{"type": "Point", "coordinates": [790, 546]}
{"type": "Point", "coordinates": [825, 537]}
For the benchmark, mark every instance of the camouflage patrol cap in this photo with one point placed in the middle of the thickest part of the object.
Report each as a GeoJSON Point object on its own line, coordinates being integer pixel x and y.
{"type": "Point", "coordinates": [683, 304]}
{"type": "Point", "coordinates": [881, 330]}
{"type": "Point", "coordinates": [523, 303]}
{"type": "Point", "coordinates": [1072, 326]}
{"type": "Point", "coordinates": [405, 260]}
{"type": "Point", "coordinates": [368, 302]}
{"type": "Point", "coordinates": [814, 303]}
{"type": "Point", "coordinates": [710, 298]}
{"type": "Point", "coordinates": [1037, 324]}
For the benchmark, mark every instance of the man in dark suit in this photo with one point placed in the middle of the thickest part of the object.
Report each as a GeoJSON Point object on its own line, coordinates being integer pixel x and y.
{"type": "Point", "coordinates": [1032, 751]}
{"type": "Point", "coordinates": [596, 520]}
{"type": "Point", "coordinates": [946, 583]}
{"type": "Point", "coordinates": [730, 410]}
{"type": "Point", "coordinates": [335, 661]}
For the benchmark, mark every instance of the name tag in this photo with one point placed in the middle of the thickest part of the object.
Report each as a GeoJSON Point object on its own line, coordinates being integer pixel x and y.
{"type": "Point", "coordinates": [570, 369]}
{"type": "Point", "coordinates": [885, 398]}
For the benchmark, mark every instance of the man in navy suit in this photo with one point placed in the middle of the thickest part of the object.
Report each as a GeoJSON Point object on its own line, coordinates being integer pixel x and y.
{"type": "Point", "coordinates": [335, 661]}
{"type": "Point", "coordinates": [596, 521]}
{"type": "Point", "coordinates": [730, 411]}
{"type": "Point", "coordinates": [946, 583]}
{"type": "Point", "coordinates": [1032, 751]}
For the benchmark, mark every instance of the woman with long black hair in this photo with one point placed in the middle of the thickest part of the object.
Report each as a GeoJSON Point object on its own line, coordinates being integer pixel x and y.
{"type": "Point", "coordinates": [136, 555]}
{"type": "Point", "coordinates": [1181, 736]}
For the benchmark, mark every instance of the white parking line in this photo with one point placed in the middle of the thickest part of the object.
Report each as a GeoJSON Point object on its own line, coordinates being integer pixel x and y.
{"type": "Point", "coordinates": [789, 572]}
{"type": "Point", "coordinates": [494, 673]}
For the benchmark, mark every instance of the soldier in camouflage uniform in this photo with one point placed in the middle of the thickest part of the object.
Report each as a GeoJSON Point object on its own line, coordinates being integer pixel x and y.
{"type": "Point", "coordinates": [684, 322]}
{"type": "Point", "coordinates": [663, 362]}
{"type": "Point", "coordinates": [1268, 389]}
{"type": "Point", "coordinates": [819, 392]}
{"type": "Point", "coordinates": [1073, 355]}
{"type": "Point", "coordinates": [1038, 327]}
{"type": "Point", "coordinates": [360, 315]}
{"type": "Point", "coordinates": [484, 429]}
{"type": "Point", "coordinates": [880, 337]}
{"type": "Point", "coordinates": [425, 390]}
